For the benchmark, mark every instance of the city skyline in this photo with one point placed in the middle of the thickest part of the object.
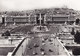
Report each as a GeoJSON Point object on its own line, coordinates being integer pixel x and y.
{"type": "Point", "coordinates": [12, 5]}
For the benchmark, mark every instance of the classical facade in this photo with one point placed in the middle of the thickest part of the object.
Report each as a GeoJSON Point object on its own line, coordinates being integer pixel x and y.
{"type": "Point", "coordinates": [37, 18]}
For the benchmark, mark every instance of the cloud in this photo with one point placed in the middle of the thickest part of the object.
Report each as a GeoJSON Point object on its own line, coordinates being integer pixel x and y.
{"type": "Point", "coordinates": [7, 4]}
{"type": "Point", "coordinates": [75, 4]}
{"type": "Point", "coordinates": [33, 4]}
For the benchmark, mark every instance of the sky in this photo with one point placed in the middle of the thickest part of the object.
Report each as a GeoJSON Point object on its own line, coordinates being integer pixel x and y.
{"type": "Point", "coordinates": [13, 5]}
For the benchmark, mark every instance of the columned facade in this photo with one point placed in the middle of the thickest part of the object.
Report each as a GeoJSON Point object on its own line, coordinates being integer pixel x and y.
{"type": "Point", "coordinates": [40, 19]}
{"type": "Point", "coordinates": [37, 19]}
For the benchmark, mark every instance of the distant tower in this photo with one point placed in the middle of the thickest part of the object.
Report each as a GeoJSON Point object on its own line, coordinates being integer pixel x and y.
{"type": "Point", "coordinates": [40, 19]}
{"type": "Point", "coordinates": [5, 19]}
{"type": "Point", "coordinates": [45, 19]}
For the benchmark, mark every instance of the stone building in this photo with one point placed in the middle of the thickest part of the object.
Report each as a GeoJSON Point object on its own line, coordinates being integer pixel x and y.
{"type": "Point", "coordinates": [45, 18]}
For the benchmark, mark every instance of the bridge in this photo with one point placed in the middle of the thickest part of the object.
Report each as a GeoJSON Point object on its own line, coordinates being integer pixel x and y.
{"type": "Point", "coordinates": [39, 45]}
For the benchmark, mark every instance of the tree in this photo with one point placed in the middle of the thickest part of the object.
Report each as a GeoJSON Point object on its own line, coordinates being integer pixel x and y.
{"type": "Point", "coordinates": [77, 21]}
{"type": "Point", "coordinates": [7, 33]}
{"type": "Point", "coordinates": [76, 51]}
{"type": "Point", "coordinates": [77, 37]}
{"type": "Point", "coordinates": [72, 32]}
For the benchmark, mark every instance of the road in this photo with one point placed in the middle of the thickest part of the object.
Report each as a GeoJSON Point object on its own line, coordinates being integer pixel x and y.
{"type": "Point", "coordinates": [40, 46]}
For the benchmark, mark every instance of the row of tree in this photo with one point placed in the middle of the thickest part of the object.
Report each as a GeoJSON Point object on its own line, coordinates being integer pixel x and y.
{"type": "Point", "coordinates": [7, 33]}
{"type": "Point", "coordinates": [76, 36]}
{"type": "Point", "coordinates": [76, 50]}
{"type": "Point", "coordinates": [77, 21]}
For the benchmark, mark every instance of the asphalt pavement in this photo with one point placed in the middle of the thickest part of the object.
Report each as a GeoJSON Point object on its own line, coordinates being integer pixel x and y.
{"type": "Point", "coordinates": [40, 46]}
